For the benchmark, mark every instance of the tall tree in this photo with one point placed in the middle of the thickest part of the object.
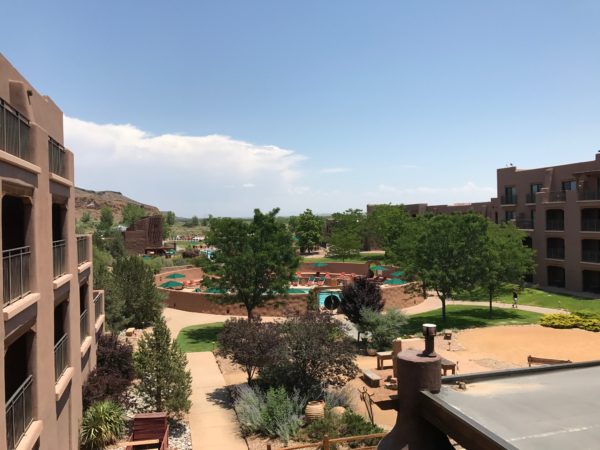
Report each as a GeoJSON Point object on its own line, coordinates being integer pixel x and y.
{"type": "Point", "coordinates": [506, 260]}
{"type": "Point", "coordinates": [360, 295]}
{"type": "Point", "coordinates": [170, 218]}
{"type": "Point", "coordinates": [132, 213]}
{"type": "Point", "coordinates": [257, 258]}
{"type": "Point", "coordinates": [450, 253]}
{"type": "Point", "coordinates": [385, 224]}
{"type": "Point", "coordinates": [161, 366]}
{"type": "Point", "coordinates": [347, 234]}
{"type": "Point", "coordinates": [132, 291]}
{"type": "Point", "coordinates": [307, 229]}
{"type": "Point", "coordinates": [107, 218]}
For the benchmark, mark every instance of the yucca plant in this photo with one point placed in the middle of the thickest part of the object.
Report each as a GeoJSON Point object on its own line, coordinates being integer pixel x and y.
{"type": "Point", "coordinates": [103, 423]}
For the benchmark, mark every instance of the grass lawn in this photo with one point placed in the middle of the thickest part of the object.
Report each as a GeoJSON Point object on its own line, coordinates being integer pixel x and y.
{"type": "Point", "coordinates": [461, 317]}
{"type": "Point", "coordinates": [199, 338]}
{"type": "Point", "coordinates": [362, 258]}
{"type": "Point", "coordinates": [537, 297]}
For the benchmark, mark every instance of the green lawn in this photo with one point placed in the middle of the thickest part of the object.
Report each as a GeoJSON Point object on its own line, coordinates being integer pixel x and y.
{"type": "Point", "coordinates": [461, 317]}
{"type": "Point", "coordinates": [362, 258]}
{"type": "Point", "coordinates": [537, 297]}
{"type": "Point", "coordinates": [199, 338]}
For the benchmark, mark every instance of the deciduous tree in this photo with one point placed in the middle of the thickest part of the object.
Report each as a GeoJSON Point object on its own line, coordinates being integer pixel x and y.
{"type": "Point", "coordinates": [360, 295]}
{"type": "Point", "coordinates": [307, 229]}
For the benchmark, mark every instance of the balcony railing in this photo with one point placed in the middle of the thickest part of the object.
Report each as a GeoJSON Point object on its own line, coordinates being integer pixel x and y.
{"type": "Point", "coordinates": [590, 256]}
{"type": "Point", "coordinates": [15, 272]}
{"type": "Point", "coordinates": [559, 196]}
{"type": "Point", "coordinates": [58, 258]}
{"type": "Point", "coordinates": [588, 195]}
{"type": "Point", "coordinates": [590, 225]}
{"type": "Point", "coordinates": [555, 253]}
{"type": "Point", "coordinates": [524, 224]}
{"type": "Point", "coordinates": [14, 132]}
{"type": "Point", "coordinates": [97, 305]}
{"type": "Point", "coordinates": [530, 198]}
{"type": "Point", "coordinates": [555, 225]}
{"type": "Point", "coordinates": [508, 200]}
{"type": "Point", "coordinates": [19, 413]}
{"type": "Point", "coordinates": [56, 157]}
{"type": "Point", "coordinates": [82, 250]}
{"type": "Point", "coordinates": [83, 325]}
{"type": "Point", "coordinates": [61, 356]}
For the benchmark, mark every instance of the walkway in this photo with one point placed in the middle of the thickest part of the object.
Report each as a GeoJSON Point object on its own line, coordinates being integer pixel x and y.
{"type": "Point", "coordinates": [213, 423]}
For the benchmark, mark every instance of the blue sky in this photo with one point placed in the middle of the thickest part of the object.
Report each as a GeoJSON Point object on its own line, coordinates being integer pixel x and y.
{"type": "Point", "coordinates": [219, 107]}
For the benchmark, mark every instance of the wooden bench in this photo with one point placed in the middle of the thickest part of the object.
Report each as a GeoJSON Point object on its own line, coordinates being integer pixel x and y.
{"type": "Point", "coordinates": [448, 365]}
{"type": "Point", "coordinates": [371, 378]}
{"type": "Point", "coordinates": [535, 360]}
{"type": "Point", "coordinates": [382, 356]}
{"type": "Point", "coordinates": [139, 443]}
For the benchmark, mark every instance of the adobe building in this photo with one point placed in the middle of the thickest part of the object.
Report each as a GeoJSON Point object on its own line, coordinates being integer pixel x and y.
{"type": "Point", "coordinates": [144, 236]}
{"type": "Point", "coordinates": [51, 316]}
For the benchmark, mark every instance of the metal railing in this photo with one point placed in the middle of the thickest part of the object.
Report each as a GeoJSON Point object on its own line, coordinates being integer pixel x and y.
{"type": "Point", "coordinates": [524, 224]}
{"type": "Point", "coordinates": [559, 196]}
{"type": "Point", "coordinates": [84, 329]}
{"type": "Point", "coordinates": [590, 255]}
{"type": "Point", "coordinates": [530, 198]}
{"type": "Point", "coordinates": [82, 250]}
{"type": "Point", "coordinates": [15, 273]}
{"type": "Point", "coordinates": [14, 132]}
{"type": "Point", "coordinates": [97, 305]}
{"type": "Point", "coordinates": [508, 200]}
{"type": "Point", "coordinates": [58, 258]}
{"type": "Point", "coordinates": [588, 195]}
{"type": "Point", "coordinates": [56, 157]}
{"type": "Point", "coordinates": [19, 413]}
{"type": "Point", "coordinates": [61, 356]}
{"type": "Point", "coordinates": [590, 225]}
{"type": "Point", "coordinates": [555, 253]}
{"type": "Point", "coordinates": [555, 225]}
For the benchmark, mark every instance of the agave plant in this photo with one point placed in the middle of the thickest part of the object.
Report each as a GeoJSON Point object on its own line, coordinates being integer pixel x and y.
{"type": "Point", "coordinates": [103, 423]}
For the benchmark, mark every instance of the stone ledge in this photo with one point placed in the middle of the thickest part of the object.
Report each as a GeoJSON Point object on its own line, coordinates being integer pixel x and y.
{"type": "Point", "coordinates": [99, 322]}
{"type": "Point", "coordinates": [16, 161]}
{"type": "Point", "coordinates": [20, 305]}
{"type": "Point", "coordinates": [63, 279]}
{"type": "Point", "coordinates": [63, 382]}
{"type": "Point", "coordinates": [85, 346]}
{"type": "Point", "coordinates": [31, 436]}
{"type": "Point", "coordinates": [84, 266]}
{"type": "Point", "coordinates": [60, 180]}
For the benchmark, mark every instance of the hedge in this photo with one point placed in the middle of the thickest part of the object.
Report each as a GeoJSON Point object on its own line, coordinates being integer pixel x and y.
{"type": "Point", "coordinates": [583, 321]}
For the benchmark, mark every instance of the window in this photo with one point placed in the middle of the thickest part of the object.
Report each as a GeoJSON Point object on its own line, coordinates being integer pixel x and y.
{"type": "Point", "coordinates": [509, 215]}
{"type": "Point", "coordinates": [535, 188]}
{"type": "Point", "coordinates": [568, 185]}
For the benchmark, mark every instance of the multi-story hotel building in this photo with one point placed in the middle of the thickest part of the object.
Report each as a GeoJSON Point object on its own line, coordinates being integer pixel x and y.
{"type": "Point", "coordinates": [559, 209]}
{"type": "Point", "coordinates": [51, 316]}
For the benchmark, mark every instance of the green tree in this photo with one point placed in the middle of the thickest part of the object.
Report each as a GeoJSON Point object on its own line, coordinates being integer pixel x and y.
{"type": "Point", "coordinates": [257, 258]}
{"type": "Point", "coordinates": [450, 253]}
{"type": "Point", "coordinates": [307, 229]}
{"type": "Point", "coordinates": [347, 234]}
{"type": "Point", "coordinates": [193, 222]}
{"type": "Point", "coordinates": [506, 260]}
{"type": "Point", "coordinates": [107, 218]}
{"type": "Point", "coordinates": [170, 218]}
{"type": "Point", "coordinates": [86, 217]}
{"type": "Point", "coordinates": [135, 299]}
{"type": "Point", "coordinates": [132, 213]}
{"type": "Point", "coordinates": [360, 295]}
{"type": "Point", "coordinates": [385, 224]}
{"type": "Point", "coordinates": [165, 383]}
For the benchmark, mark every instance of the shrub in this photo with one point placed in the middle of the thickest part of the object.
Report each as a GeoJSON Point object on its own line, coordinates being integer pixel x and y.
{"type": "Point", "coordinates": [359, 295]}
{"type": "Point", "coordinates": [103, 423]}
{"type": "Point", "coordinates": [349, 424]}
{"type": "Point", "coordinates": [312, 300]}
{"type": "Point", "coordinates": [383, 327]}
{"type": "Point", "coordinates": [249, 344]}
{"type": "Point", "coordinates": [581, 320]}
{"type": "Point", "coordinates": [249, 404]}
{"type": "Point", "coordinates": [115, 356]}
{"type": "Point", "coordinates": [314, 353]}
{"type": "Point", "coordinates": [338, 397]}
{"type": "Point", "coordinates": [104, 386]}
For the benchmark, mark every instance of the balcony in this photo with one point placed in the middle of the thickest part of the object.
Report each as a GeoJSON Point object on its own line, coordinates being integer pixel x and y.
{"type": "Point", "coordinates": [97, 305]}
{"type": "Point", "coordinates": [588, 195]}
{"type": "Point", "coordinates": [82, 250]}
{"type": "Point", "coordinates": [555, 225]}
{"type": "Point", "coordinates": [524, 224]}
{"type": "Point", "coordinates": [61, 356]}
{"type": "Point", "coordinates": [592, 256]}
{"type": "Point", "coordinates": [590, 224]}
{"type": "Point", "coordinates": [560, 196]}
{"type": "Point", "coordinates": [83, 326]}
{"type": "Point", "coordinates": [508, 200]}
{"type": "Point", "coordinates": [19, 413]}
{"type": "Point", "coordinates": [555, 253]}
{"type": "Point", "coordinates": [15, 272]}
{"type": "Point", "coordinates": [530, 198]}
{"type": "Point", "coordinates": [56, 158]}
{"type": "Point", "coordinates": [14, 132]}
{"type": "Point", "coordinates": [58, 258]}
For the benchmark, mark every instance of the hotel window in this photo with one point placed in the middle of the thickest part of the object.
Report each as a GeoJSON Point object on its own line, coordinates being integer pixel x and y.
{"type": "Point", "coordinates": [509, 215]}
{"type": "Point", "coordinates": [568, 185]}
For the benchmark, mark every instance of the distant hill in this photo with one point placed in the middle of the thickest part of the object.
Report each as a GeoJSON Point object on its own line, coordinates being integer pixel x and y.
{"type": "Point", "coordinates": [94, 201]}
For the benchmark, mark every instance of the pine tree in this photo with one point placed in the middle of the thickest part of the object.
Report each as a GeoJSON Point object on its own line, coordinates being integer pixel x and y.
{"type": "Point", "coordinates": [165, 382]}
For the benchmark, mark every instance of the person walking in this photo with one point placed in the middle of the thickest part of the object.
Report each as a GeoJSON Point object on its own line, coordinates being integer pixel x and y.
{"type": "Point", "coordinates": [515, 299]}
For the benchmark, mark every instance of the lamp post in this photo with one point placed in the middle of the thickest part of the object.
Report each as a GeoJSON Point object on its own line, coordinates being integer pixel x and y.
{"type": "Point", "coordinates": [429, 334]}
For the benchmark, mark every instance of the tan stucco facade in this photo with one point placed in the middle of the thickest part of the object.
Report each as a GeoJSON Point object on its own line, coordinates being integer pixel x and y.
{"type": "Point", "coordinates": [50, 312]}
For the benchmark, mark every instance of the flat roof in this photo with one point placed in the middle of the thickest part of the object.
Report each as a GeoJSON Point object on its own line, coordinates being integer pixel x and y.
{"type": "Point", "coordinates": [554, 409]}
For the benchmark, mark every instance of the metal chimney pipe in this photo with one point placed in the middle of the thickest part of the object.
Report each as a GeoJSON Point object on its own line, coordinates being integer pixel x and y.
{"type": "Point", "coordinates": [429, 330]}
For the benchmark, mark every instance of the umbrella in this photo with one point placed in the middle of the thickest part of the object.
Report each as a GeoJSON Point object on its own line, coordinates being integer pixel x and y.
{"type": "Point", "coordinates": [374, 268]}
{"type": "Point", "coordinates": [214, 291]}
{"type": "Point", "coordinates": [394, 281]}
{"type": "Point", "coordinates": [171, 284]}
{"type": "Point", "coordinates": [320, 264]}
{"type": "Point", "coordinates": [175, 275]}
{"type": "Point", "coordinates": [398, 273]}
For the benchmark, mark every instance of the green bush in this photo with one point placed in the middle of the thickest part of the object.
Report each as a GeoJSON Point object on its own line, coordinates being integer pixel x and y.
{"type": "Point", "coordinates": [581, 320]}
{"type": "Point", "coordinates": [349, 424]}
{"type": "Point", "coordinates": [249, 404]}
{"type": "Point", "coordinates": [383, 328]}
{"type": "Point", "coordinates": [338, 397]}
{"type": "Point", "coordinates": [103, 423]}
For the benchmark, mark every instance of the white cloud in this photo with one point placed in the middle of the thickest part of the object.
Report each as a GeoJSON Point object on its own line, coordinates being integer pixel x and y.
{"type": "Point", "coordinates": [335, 170]}
{"type": "Point", "coordinates": [248, 185]}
